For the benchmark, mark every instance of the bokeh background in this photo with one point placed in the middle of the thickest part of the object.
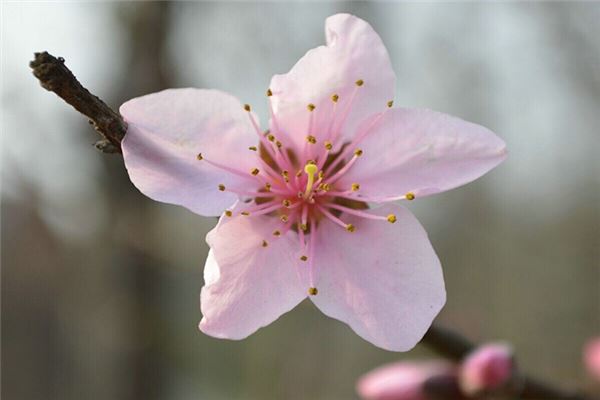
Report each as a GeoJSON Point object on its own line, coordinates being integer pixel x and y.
{"type": "Point", "coordinates": [100, 285]}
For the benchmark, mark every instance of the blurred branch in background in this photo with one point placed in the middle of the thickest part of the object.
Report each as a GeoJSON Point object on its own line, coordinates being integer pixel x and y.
{"type": "Point", "coordinates": [56, 77]}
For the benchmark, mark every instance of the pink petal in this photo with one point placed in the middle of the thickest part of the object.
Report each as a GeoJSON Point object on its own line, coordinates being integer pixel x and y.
{"type": "Point", "coordinates": [248, 286]}
{"type": "Point", "coordinates": [422, 152]}
{"type": "Point", "coordinates": [166, 132]}
{"type": "Point", "coordinates": [354, 51]}
{"type": "Point", "coordinates": [384, 280]}
{"type": "Point", "coordinates": [402, 380]}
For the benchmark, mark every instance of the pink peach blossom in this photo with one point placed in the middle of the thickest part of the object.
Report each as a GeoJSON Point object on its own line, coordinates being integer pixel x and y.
{"type": "Point", "coordinates": [403, 380]}
{"type": "Point", "coordinates": [487, 368]}
{"type": "Point", "coordinates": [294, 200]}
{"type": "Point", "coordinates": [591, 357]}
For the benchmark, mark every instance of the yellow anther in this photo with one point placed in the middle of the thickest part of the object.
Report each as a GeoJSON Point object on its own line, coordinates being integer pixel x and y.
{"type": "Point", "coordinates": [228, 213]}
{"type": "Point", "coordinates": [286, 203]}
{"type": "Point", "coordinates": [299, 173]}
{"type": "Point", "coordinates": [255, 171]}
{"type": "Point", "coordinates": [278, 143]}
{"type": "Point", "coordinates": [410, 196]}
{"type": "Point", "coordinates": [321, 174]}
{"type": "Point", "coordinates": [328, 145]}
{"type": "Point", "coordinates": [359, 82]}
{"type": "Point", "coordinates": [350, 228]}
{"type": "Point", "coordinates": [284, 218]}
{"type": "Point", "coordinates": [269, 93]}
{"type": "Point", "coordinates": [253, 148]}
{"type": "Point", "coordinates": [247, 107]}
{"type": "Point", "coordinates": [271, 137]}
{"type": "Point", "coordinates": [311, 107]}
{"type": "Point", "coordinates": [264, 243]}
{"type": "Point", "coordinates": [313, 291]}
{"type": "Point", "coordinates": [268, 187]}
{"type": "Point", "coordinates": [335, 98]}
{"type": "Point", "coordinates": [358, 152]}
{"type": "Point", "coordinates": [221, 187]}
{"type": "Point", "coordinates": [303, 227]}
{"type": "Point", "coordinates": [276, 233]}
{"type": "Point", "coordinates": [199, 156]}
{"type": "Point", "coordinates": [326, 187]}
{"type": "Point", "coordinates": [311, 139]}
{"type": "Point", "coordinates": [390, 103]}
{"type": "Point", "coordinates": [355, 187]}
{"type": "Point", "coordinates": [245, 213]}
{"type": "Point", "coordinates": [391, 218]}
{"type": "Point", "coordinates": [303, 258]}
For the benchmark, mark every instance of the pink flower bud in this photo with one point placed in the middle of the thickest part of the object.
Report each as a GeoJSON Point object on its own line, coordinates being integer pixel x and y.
{"type": "Point", "coordinates": [402, 380]}
{"type": "Point", "coordinates": [487, 368]}
{"type": "Point", "coordinates": [591, 357]}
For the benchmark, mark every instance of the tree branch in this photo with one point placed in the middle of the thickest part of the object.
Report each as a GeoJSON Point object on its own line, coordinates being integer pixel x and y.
{"type": "Point", "coordinates": [56, 77]}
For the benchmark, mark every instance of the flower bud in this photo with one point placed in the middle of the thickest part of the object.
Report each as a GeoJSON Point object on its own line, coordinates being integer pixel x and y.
{"type": "Point", "coordinates": [403, 380]}
{"type": "Point", "coordinates": [487, 368]}
{"type": "Point", "coordinates": [591, 357]}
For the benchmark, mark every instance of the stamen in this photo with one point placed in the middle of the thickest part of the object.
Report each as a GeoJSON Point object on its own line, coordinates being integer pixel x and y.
{"type": "Point", "coordinates": [328, 145]}
{"type": "Point", "coordinates": [310, 139]}
{"type": "Point", "coordinates": [304, 218]}
{"type": "Point", "coordinates": [390, 103]}
{"type": "Point", "coordinates": [269, 93]}
{"type": "Point", "coordinates": [355, 187]}
{"type": "Point", "coordinates": [254, 171]}
{"type": "Point", "coordinates": [263, 209]}
{"type": "Point", "coordinates": [345, 168]}
{"type": "Point", "coordinates": [311, 254]}
{"type": "Point", "coordinates": [276, 233]}
{"type": "Point", "coordinates": [391, 218]}
{"type": "Point", "coordinates": [228, 213]}
{"type": "Point", "coordinates": [253, 148]}
{"type": "Point", "coordinates": [261, 137]}
{"type": "Point", "coordinates": [346, 112]}
{"type": "Point", "coordinates": [224, 167]}
{"type": "Point", "coordinates": [268, 187]}
{"type": "Point", "coordinates": [333, 218]}
{"type": "Point", "coordinates": [409, 196]}
{"type": "Point", "coordinates": [264, 243]}
{"type": "Point", "coordinates": [221, 187]}
{"type": "Point", "coordinates": [303, 258]}
{"type": "Point", "coordinates": [245, 213]}
{"type": "Point", "coordinates": [284, 218]}
{"type": "Point", "coordinates": [335, 98]}
{"type": "Point", "coordinates": [313, 291]}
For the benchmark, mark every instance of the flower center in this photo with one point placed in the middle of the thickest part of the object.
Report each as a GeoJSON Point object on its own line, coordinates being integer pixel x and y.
{"type": "Point", "coordinates": [301, 187]}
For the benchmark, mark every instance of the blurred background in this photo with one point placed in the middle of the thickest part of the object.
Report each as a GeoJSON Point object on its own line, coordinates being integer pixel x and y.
{"type": "Point", "coordinates": [100, 285]}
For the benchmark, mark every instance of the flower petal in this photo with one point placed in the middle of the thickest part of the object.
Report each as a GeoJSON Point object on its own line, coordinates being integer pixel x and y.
{"type": "Point", "coordinates": [247, 285]}
{"type": "Point", "coordinates": [422, 152]}
{"type": "Point", "coordinates": [166, 132]}
{"type": "Point", "coordinates": [353, 52]}
{"type": "Point", "coordinates": [384, 280]}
